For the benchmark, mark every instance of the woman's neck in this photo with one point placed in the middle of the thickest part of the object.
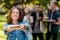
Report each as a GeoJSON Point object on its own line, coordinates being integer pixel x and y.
{"type": "Point", "coordinates": [14, 22]}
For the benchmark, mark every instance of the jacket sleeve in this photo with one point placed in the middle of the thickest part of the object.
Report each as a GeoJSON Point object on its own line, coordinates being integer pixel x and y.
{"type": "Point", "coordinates": [4, 29]}
{"type": "Point", "coordinates": [28, 27]}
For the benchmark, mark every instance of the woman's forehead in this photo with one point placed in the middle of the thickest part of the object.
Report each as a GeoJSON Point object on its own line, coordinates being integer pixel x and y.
{"type": "Point", "coordinates": [15, 10]}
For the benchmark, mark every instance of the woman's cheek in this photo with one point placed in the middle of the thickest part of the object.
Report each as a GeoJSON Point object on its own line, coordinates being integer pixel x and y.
{"type": "Point", "coordinates": [14, 17]}
{"type": "Point", "coordinates": [17, 15]}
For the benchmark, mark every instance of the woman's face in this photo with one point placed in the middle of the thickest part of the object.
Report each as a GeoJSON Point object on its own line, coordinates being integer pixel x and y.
{"type": "Point", "coordinates": [15, 14]}
{"type": "Point", "coordinates": [26, 10]}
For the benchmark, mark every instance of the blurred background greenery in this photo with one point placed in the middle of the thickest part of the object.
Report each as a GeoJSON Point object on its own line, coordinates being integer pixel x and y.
{"type": "Point", "coordinates": [5, 5]}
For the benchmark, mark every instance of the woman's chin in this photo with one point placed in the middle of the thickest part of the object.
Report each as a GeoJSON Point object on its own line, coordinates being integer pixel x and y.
{"type": "Point", "coordinates": [15, 19]}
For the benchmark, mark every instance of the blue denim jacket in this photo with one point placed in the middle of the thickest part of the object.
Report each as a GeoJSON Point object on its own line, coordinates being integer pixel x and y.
{"type": "Point", "coordinates": [17, 34]}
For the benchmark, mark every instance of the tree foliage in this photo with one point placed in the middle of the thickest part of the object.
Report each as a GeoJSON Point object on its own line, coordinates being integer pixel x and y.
{"type": "Point", "coordinates": [8, 5]}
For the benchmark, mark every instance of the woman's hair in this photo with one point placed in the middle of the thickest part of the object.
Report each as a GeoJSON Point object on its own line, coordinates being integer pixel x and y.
{"type": "Point", "coordinates": [24, 11]}
{"type": "Point", "coordinates": [9, 19]}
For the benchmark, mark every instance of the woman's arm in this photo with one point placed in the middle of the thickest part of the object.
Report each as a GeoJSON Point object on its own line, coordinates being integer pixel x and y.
{"type": "Point", "coordinates": [8, 29]}
{"type": "Point", "coordinates": [25, 27]}
{"type": "Point", "coordinates": [21, 27]}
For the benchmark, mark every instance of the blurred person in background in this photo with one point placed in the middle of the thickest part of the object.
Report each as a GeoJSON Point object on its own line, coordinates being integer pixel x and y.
{"type": "Point", "coordinates": [37, 17]}
{"type": "Point", "coordinates": [27, 16]}
{"type": "Point", "coordinates": [43, 23]}
{"type": "Point", "coordinates": [19, 5]}
{"type": "Point", "coordinates": [28, 20]}
{"type": "Point", "coordinates": [59, 14]}
{"type": "Point", "coordinates": [52, 26]}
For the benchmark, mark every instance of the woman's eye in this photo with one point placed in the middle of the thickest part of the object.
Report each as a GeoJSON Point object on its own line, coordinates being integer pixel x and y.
{"type": "Point", "coordinates": [13, 12]}
{"type": "Point", "coordinates": [17, 12]}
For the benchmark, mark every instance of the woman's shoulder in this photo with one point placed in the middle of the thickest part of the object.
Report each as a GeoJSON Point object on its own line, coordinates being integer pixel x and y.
{"type": "Point", "coordinates": [6, 24]}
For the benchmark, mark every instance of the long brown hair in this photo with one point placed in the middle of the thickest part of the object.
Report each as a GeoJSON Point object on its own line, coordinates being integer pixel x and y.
{"type": "Point", "coordinates": [9, 19]}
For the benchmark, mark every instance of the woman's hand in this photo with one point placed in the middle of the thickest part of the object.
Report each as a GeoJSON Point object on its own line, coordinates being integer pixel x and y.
{"type": "Point", "coordinates": [22, 27]}
{"type": "Point", "coordinates": [9, 29]}
{"type": "Point", "coordinates": [25, 28]}
{"type": "Point", "coordinates": [12, 27]}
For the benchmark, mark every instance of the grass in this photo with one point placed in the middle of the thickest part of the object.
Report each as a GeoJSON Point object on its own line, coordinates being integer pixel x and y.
{"type": "Point", "coordinates": [2, 36]}
{"type": "Point", "coordinates": [2, 18]}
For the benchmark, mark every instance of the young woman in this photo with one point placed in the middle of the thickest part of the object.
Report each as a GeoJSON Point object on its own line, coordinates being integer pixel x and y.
{"type": "Point", "coordinates": [16, 29]}
{"type": "Point", "coordinates": [26, 16]}
{"type": "Point", "coordinates": [27, 19]}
